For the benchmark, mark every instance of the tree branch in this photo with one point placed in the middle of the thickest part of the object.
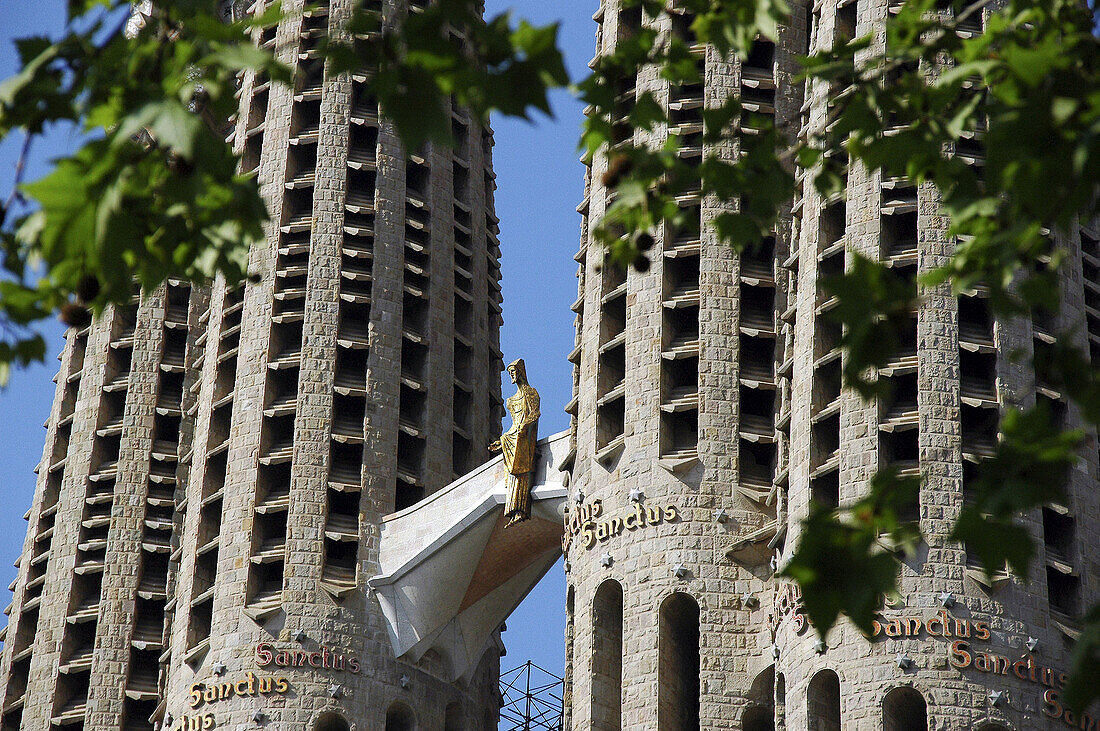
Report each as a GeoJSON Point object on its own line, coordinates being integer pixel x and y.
{"type": "Point", "coordinates": [20, 169]}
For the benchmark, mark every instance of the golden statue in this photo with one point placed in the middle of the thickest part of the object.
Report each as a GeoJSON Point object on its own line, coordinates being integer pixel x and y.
{"type": "Point", "coordinates": [518, 444]}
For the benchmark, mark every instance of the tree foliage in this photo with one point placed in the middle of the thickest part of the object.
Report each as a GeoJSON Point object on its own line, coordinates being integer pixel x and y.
{"type": "Point", "coordinates": [154, 192]}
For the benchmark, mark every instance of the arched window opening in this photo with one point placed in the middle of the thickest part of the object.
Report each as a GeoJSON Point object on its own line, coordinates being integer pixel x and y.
{"type": "Point", "coordinates": [760, 714]}
{"type": "Point", "coordinates": [452, 719]}
{"type": "Point", "coordinates": [758, 718]}
{"type": "Point", "coordinates": [400, 718]}
{"type": "Point", "coordinates": [904, 709]}
{"type": "Point", "coordinates": [567, 686]}
{"type": "Point", "coordinates": [780, 701]}
{"type": "Point", "coordinates": [823, 701]}
{"type": "Point", "coordinates": [607, 657]}
{"type": "Point", "coordinates": [331, 722]}
{"type": "Point", "coordinates": [678, 664]}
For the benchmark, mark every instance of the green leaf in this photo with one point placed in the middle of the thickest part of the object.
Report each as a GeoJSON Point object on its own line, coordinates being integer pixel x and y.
{"type": "Point", "coordinates": [1083, 687]}
{"type": "Point", "coordinates": [1029, 468]}
{"type": "Point", "coordinates": [11, 87]}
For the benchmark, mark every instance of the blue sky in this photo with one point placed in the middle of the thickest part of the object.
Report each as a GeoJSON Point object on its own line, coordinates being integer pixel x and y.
{"type": "Point", "coordinates": [540, 183]}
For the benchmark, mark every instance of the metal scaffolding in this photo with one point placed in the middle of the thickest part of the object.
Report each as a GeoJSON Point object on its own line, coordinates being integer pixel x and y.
{"type": "Point", "coordinates": [531, 699]}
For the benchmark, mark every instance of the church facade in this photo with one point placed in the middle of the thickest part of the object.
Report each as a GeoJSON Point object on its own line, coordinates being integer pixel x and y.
{"type": "Point", "coordinates": [709, 413]}
{"type": "Point", "coordinates": [269, 506]}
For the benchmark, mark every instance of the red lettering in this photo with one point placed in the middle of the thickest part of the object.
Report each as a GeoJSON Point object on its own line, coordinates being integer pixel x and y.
{"type": "Point", "coordinates": [1051, 706]}
{"type": "Point", "coordinates": [941, 620]}
{"type": "Point", "coordinates": [959, 657]}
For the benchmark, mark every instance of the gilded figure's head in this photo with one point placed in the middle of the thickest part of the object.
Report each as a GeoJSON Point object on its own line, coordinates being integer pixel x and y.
{"type": "Point", "coordinates": [518, 372]}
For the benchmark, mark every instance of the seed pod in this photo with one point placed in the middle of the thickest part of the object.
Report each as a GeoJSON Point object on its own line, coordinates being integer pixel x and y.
{"type": "Point", "coordinates": [75, 315]}
{"type": "Point", "coordinates": [617, 167]}
{"type": "Point", "coordinates": [88, 289]}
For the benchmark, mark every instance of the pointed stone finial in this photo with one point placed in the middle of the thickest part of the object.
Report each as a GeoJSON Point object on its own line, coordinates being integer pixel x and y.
{"type": "Point", "coordinates": [947, 599]}
{"type": "Point", "coordinates": [903, 661]}
{"type": "Point", "coordinates": [996, 697]}
{"type": "Point", "coordinates": [405, 681]}
{"type": "Point", "coordinates": [606, 560]}
{"type": "Point", "coordinates": [335, 691]}
{"type": "Point", "coordinates": [1032, 644]}
{"type": "Point", "coordinates": [749, 600]}
{"type": "Point", "coordinates": [637, 495]}
{"type": "Point", "coordinates": [680, 571]}
{"type": "Point", "coordinates": [218, 668]}
{"type": "Point", "coordinates": [721, 516]}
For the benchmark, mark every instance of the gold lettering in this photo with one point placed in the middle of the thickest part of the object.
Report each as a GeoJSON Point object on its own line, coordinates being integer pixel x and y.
{"type": "Point", "coordinates": [196, 695]}
{"type": "Point", "coordinates": [671, 513]}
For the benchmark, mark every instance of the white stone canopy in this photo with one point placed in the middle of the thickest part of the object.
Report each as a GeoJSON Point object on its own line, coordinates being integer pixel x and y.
{"type": "Point", "coordinates": [451, 573]}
